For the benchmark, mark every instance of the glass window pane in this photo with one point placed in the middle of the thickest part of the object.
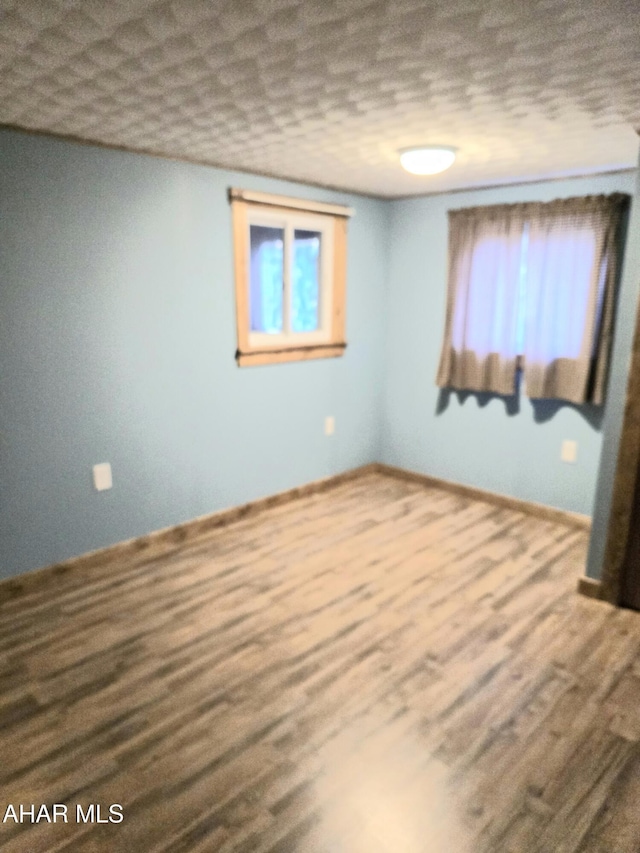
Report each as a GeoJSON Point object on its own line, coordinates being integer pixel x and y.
{"type": "Point", "coordinates": [305, 303]}
{"type": "Point", "coordinates": [266, 283]}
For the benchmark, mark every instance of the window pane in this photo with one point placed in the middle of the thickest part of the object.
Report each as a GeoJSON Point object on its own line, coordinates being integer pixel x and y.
{"type": "Point", "coordinates": [486, 311]}
{"type": "Point", "coordinates": [266, 286]}
{"type": "Point", "coordinates": [305, 308]}
{"type": "Point", "coordinates": [559, 290]}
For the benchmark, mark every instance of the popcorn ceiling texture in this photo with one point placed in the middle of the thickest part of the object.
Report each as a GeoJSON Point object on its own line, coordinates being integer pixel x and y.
{"type": "Point", "coordinates": [326, 91]}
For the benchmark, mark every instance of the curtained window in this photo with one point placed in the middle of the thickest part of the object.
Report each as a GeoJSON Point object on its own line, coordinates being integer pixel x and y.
{"type": "Point", "coordinates": [532, 285]}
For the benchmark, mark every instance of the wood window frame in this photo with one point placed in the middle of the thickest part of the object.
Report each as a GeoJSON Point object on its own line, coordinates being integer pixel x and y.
{"type": "Point", "coordinates": [333, 344]}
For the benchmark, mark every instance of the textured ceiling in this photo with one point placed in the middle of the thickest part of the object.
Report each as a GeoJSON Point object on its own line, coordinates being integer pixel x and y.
{"type": "Point", "coordinates": [326, 91]}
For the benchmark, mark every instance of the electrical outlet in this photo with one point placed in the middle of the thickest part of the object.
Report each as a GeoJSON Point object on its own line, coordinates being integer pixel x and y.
{"type": "Point", "coordinates": [102, 476]}
{"type": "Point", "coordinates": [329, 425]}
{"type": "Point", "coordinates": [569, 451]}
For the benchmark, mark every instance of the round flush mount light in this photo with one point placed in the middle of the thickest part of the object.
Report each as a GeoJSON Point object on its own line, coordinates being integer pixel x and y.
{"type": "Point", "coordinates": [427, 159]}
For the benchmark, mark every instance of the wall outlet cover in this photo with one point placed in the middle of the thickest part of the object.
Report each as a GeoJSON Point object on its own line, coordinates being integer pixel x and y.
{"type": "Point", "coordinates": [329, 425]}
{"type": "Point", "coordinates": [569, 451]}
{"type": "Point", "coordinates": [102, 478]}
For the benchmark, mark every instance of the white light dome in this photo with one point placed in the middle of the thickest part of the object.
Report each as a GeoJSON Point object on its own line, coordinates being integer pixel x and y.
{"type": "Point", "coordinates": [427, 159]}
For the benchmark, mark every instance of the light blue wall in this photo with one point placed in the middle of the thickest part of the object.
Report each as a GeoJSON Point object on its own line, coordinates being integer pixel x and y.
{"type": "Point", "coordinates": [117, 342]}
{"type": "Point", "coordinates": [620, 361]}
{"type": "Point", "coordinates": [474, 441]}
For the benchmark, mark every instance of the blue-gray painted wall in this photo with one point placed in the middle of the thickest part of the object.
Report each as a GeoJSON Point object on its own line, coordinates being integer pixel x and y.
{"type": "Point", "coordinates": [117, 342]}
{"type": "Point", "coordinates": [473, 439]}
{"type": "Point", "coordinates": [117, 337]}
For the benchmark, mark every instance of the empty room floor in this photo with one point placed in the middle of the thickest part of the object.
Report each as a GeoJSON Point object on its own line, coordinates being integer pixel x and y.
{"type": "Point", "coordinates": [381, 667]}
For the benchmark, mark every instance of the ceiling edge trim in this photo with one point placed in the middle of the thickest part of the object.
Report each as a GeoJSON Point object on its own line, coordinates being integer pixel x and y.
{"type": "Point", "coordinates": [518, 182]}
{"type": "Point", "coordinates": [179, 158]}
{"type": "Point", "coordinates": [96, 143]}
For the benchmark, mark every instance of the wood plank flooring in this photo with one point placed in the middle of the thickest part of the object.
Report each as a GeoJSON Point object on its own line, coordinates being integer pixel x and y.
{"type": "Point", "coordinates": [379, 668]}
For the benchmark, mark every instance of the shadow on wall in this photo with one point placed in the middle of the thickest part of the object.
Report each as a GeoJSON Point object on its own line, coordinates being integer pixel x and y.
{"type": "Point", "coordinates": [483, 398]}
{"type": "Point", "coordinates": [543, 410]}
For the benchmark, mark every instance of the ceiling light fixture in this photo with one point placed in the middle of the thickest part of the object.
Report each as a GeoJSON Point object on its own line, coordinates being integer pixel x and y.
{"type": "Point", "coordinates": [427, 159]}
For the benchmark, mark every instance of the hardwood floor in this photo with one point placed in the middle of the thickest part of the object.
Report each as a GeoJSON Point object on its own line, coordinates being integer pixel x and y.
{"type": "Point", "coordinates": [379, 668]}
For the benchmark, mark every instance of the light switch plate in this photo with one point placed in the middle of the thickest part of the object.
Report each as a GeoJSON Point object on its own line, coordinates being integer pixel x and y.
{"type": "Point", "coordinates": [329, 425]}
{"type": "Point", "coordinates": [102, 476]}
{"type": "Point", "coordinates": [569, 451]}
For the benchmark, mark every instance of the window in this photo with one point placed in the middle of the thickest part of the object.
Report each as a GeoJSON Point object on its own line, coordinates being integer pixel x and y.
{"type": "Point", "coordinates": [532, 286]}
{"type": "Point", "coordinates": [290, 271]}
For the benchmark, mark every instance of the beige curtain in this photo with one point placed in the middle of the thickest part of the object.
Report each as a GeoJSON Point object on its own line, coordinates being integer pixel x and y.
{"type": "Point", "coordinates": [480, 349]}
{"type": "Point", "coordinates": [571, 269]}
{"type": "Point", "coordinates": [534, 281]}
